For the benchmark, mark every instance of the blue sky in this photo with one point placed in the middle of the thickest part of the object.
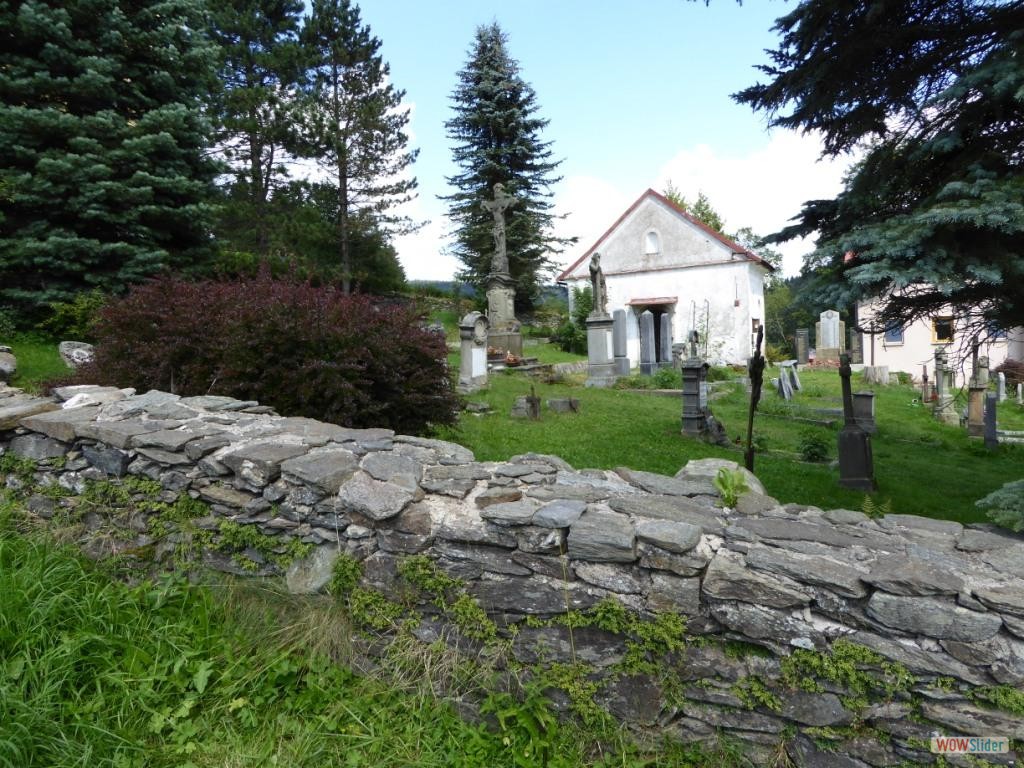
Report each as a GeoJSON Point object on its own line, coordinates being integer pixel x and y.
{"type": "Point", "coordinates": [635, 94]}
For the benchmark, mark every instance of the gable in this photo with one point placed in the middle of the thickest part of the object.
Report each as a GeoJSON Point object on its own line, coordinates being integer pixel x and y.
{"type": "Point", "coordinates": [654, 234]}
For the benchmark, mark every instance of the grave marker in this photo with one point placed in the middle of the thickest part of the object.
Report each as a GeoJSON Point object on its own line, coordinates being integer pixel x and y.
{"type": "Point", "coordinates": [856, 466]}
{"type": "Point", "coordinates": [647, 359]}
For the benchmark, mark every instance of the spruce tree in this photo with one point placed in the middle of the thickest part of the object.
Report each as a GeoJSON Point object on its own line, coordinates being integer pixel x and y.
{"type": "Point", "coordinates": [259, 68]}
{"type": "Point", "coordinates": [933, 213]}
{"type": "Point", "coordinates": [354, 128]}
{"type": "Point", "coordinates": [496, 132]}
{"type": "Point", "coordinates": [102, 141]}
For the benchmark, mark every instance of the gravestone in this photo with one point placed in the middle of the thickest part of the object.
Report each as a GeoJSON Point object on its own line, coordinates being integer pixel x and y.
{"type": "Point", "coordinates": [621, 361]}
{"type": "Point", "coordinates": [864, 411]}
{"type": "Point", "coordinates": [991, 436]}
{"type": "Point", "coordinates": [856, 348]}
{"type": "Point", "coordinates": [975, 411]}
{"type": "Point", "coordinates": [787, 369]}
{"type": "Point", "coordinates": [830, 335]}
{"type": "Point", "coordinates": [1001, 386]}
{"type": "Point", "coordinates": [783, 385]}
{"type": "Point", "coordinates": [600, 345]}
{"type": "Point", "coordinates": [1020, 394]}
{"type": "Point", "coordinates": [802, 345]}
{"type": "Point", "coordinates": [856, 466]}
{"type": "Point", "coordinates": [503, 334]}
{"type": "Point", "coordinates": [876, 374]}
{"type": "Point", "coordinates": [647, 359]}
{"type": "Point", "coordinates": [695, 397]}
{"type": "Point", "coordinates": [945, 409]}
{"type": "Point", "coordinates": [473, 348]}
{"type": "Point", "coordinates": [666, 341]}
{"type": "Point", "coordinates": [926, 386]}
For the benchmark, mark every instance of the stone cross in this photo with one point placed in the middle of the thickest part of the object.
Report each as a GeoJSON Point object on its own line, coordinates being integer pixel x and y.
{"type": "Point", "coordinates": [497, 207]}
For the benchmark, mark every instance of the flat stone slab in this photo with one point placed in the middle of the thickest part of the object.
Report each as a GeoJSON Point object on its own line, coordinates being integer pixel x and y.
{"type": "Point", "coordinates": [728, 579]}
{"type": "Point", "coordinates": [510, 512]}
{"type": "Point", "coordinates": [912, 577]}
{"type": "Point", "coordinates": [968, 719]}
{"type": "Point", "coordinates": [528, 596]}
{"type": "Point", "coordinates": [260, 463]}
{"type": "Point", "coordinates": [372, 498]}
{"type": "Point", "coordinates": [810, 569]}
{"type": "Point", "coordinates": [674, 508]}
{"type": "Point", "coordinates": [326, 469]}
{"type": "Point", "coordinates": [664, 485]}
{"type": "Point", "coordinates": [36, 447]}
{"type": "Point", "coordinates": [706, 469]}
{"type": "Point", "coordinates": [815, 709]}
{"type": "Point", "coordinates": [560, 513]}
{"type": "Point", "coordinates": [228, 497]}
{"type": "Point", "coordinates": [116, 433]}
{"type": "Point", "coordinates": [394, 468]}
{"type": "Point", "coordinates": [602, 536]}
{"type": "Point", "coordinates": [673, 537]}
{"type": "Point", "coordinates": [611, 577]}
{"type": "Point", "coordinates": [791, 530]}
{"type": "Point", "coordinates": [674, 593]}
{"type": "Point", "coordinates": [165, 439]}
{"type": "Point", "coordinates": [916, 660]}
{"type": "Point", "coordinates": [12, 414]}
{"type": "Point", "coordinates": [934, 617]}
{"type": "Point", "coordinates": [772, 627]}
{"type": "Point", "coordinates": [1009, 599]}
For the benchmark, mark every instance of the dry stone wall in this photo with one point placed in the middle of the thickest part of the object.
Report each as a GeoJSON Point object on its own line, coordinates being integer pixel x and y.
{"type": "Point", "coordinates": [846, 640]}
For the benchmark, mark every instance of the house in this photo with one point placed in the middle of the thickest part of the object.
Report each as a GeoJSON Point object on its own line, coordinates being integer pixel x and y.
{"type": "Point", "coordinates": [912, 348]}
{"type": "Point", "coordinates": [658, 257]}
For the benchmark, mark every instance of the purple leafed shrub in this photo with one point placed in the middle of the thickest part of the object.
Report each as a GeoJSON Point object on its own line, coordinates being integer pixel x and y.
{"type": "Point", "coordinates": [305, 350]}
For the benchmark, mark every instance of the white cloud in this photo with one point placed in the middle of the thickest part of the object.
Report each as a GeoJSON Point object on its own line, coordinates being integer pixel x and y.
{"type": "Point", "coordinates": [592, 204]}
{"type": "Point", "coordinates": [762, 189]}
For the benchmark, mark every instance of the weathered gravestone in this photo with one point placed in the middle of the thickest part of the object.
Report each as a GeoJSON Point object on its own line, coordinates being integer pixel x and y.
{"type": "Point", "coordinates": [991, 436]}
{"type": "Point", "coordinates": [621, 360]}
{"type": "Point", "coordinates": [473, 347]}
{"type": "Point", "coordinates": [1001, 386]}
{"type": "Point", "coordinates": [665, 359]}
{"type": "Point", "coordinates": [830, 333]}
{"type": "Point", "coordinates": [975, 411]}
{"type": "Point", "coordinates": [856, 465]}
{"type": "Point", "coordinates": [945, 409]}
{"type": "Point", "coordinates": [647, 360]}
{"type": "Point", "coordinates": [864, 411]}
{"type": "Point", "coordinates": [802, 345]}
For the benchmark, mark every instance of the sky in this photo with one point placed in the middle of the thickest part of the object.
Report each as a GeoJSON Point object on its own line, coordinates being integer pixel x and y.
{"type": "Point", "coordinates": [636, 94]}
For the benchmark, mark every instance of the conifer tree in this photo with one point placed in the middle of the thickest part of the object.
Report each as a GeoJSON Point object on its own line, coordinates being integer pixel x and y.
{"type": "Point", "coordinates": [354, 128]}
{"type": "Point", "coordinates": [259, 68]}
{"type": "Point", "coordinates": [496, 132]}
{"type": "Point", "coordinates": [102, 141]}
{"type": "Point", "coordinates": [933, 213]}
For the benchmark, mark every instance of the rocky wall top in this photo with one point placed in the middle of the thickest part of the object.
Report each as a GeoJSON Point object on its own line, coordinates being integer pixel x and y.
{"type": "Point", "coordinates": [532, 536]}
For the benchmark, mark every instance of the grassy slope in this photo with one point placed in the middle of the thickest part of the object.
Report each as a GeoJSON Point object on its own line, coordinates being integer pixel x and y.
{"type": "Point", "coordinates": [38, 360]}
{"type": "Point", "coordinates": [97, 674]}
{"type": "Point", "coordinates": [922, 467]}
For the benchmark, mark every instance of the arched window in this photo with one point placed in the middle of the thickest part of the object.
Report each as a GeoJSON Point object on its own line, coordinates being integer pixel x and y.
{"type": "Point", "coordinates": [652, 245]}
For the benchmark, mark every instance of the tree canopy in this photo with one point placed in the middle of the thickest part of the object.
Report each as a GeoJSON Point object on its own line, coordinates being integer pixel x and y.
{"type": "Point", "coordinates": [932, 93]}
{"type": "Point", "coordinates": [497, 138]}
{"type": "Point", "coordinates": [102, 145]}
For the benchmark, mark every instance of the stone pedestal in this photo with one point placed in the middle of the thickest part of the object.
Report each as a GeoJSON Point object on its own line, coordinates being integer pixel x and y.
{"type": "Point", "coordinates": [695, 397]}
{"type": "Point", "coordinates": [619, 343]}
{"type": "Point", "coordinates": [504, 336]}
{"type": "Point", "coordinates": [864, 411]}
{"type": "Point", "coordinates": [600, 352]}
{"type": "Point", "coordinates": [976, 411]}
{"type": "Point", "coordinates": [473, 338]}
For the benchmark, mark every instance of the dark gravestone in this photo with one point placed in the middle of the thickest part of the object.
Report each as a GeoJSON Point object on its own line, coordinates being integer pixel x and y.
{"type": "Point", "coordinates": [991, 438]}
{"type": "Point", "coordinates": [864, 411]}
{"type": "Point", "coordinates": [647, 359]}
{"type": "Point", "coordinates": [695, 396]}
{"type": "Point", "coordinates": [621, 361]}
{"type": "Point", "coordinates": [802, 345]}
{"type": "Point", "coordinates": [856, 467]}
{"type": "Point", "coordinates": [665, 358]}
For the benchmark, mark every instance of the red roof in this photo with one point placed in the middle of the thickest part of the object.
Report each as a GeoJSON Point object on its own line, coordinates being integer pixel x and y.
{"type": "Point", "coordinates": [730, 244]}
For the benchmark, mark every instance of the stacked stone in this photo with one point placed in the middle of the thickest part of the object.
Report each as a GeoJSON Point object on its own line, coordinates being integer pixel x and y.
{"type": "Point", "coordinates": [532, 537]}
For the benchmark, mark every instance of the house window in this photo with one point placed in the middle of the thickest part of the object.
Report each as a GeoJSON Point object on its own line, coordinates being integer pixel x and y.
{"type": "Point", "coordinates": [652, 245]}
{"type": "Point", "coordinates": [942, 330]}
{"type": "Point", "coordinates": [893, 334]}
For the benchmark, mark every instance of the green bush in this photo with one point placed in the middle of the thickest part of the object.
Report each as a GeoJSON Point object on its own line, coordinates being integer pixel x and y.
{"type": "Point", "coordinates": [1005, 506]}
{"type": "Point", "coordinates": [667, 378]}
{"type": "Point", "coordinates": [74, 319]}
{"type": "Point", "coordinates": [7, 325]}
{"type": "Point", "coordinates": [571, 338]}
{"type": "Point", "coordinates": [304, 350]}
{"type": "Point", "coordinates": [813, 446]}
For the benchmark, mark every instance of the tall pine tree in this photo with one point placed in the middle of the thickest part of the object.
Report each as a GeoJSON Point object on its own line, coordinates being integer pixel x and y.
{"type": "Point", "coordinates": [259, 67]}
{"type": "Point", "coordinates": [102, 141]}
{"type": "Point", "coordinates": [497, 139]}
{"type": "Point", "coordinates": [933, 214]}
{"type": "Point", "coordinates": [354, 128]}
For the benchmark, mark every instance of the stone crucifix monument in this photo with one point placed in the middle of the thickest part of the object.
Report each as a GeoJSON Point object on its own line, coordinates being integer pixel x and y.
{"type": "Point", "coordinates": [600, 344]}
{"type": "Point", "coordinates": [503, 334]}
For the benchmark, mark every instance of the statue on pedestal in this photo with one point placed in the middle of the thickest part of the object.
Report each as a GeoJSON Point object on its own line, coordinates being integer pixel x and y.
{"type": "Point", "coordinates": [502, 201]}
{"type": "Point", "coordinates": [598, 285]}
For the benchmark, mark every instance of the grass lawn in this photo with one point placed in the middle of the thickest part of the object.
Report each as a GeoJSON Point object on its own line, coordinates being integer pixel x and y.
{"type": "Point", "coordinates": [38, 361]}
{"type": "Point", "coordinates": [922, 467]}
